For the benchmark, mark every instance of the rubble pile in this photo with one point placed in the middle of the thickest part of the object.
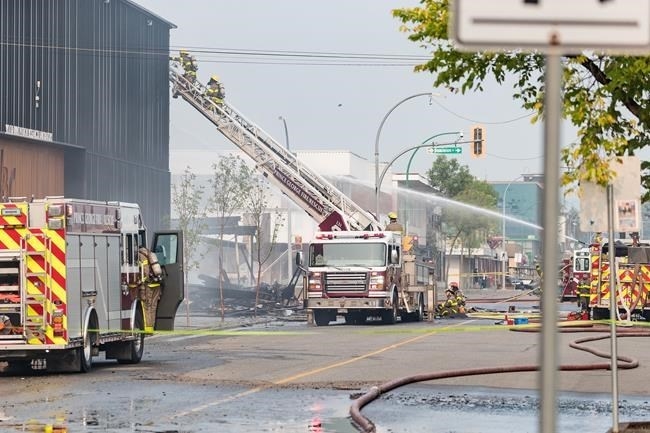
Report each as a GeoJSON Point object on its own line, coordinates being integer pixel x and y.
{"type": "Point", "coordinates": [239, 300]}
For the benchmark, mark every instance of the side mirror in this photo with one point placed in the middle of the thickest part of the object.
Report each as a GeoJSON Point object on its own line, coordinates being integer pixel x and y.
{"type": "Point", "coordinates": [394, 258]}
{"type": "Point", "coordinates": [299, 258]}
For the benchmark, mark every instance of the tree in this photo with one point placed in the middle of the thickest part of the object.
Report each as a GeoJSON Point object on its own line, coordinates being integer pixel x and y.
{"type": "Point", "coordinates": [186, 202]}
{"type": "Point", "coordinates": [257, 207]}
{"type": "Point", "coordinates": [448, 176]}
{"type": "Point", "coordinates": [230, 185]}
{"type": "Point", "coordinates": [605, 97]}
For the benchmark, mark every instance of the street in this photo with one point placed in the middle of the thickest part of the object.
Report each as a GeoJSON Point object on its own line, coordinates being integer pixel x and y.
{"type": "Point", "coordinates": [286, 375]}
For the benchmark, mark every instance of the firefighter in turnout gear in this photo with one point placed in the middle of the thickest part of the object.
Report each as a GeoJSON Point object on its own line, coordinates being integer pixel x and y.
{"type": "Point", "coordinates": [188, 63]}
{"type": "Point", "coordinates": [149, 285]}
{"type": "Point", "coordinates": [215, 90]}
{"type": "Point", "coordinates": [393, 225]}
{"type": "Point", "coordinates": [455, 303]}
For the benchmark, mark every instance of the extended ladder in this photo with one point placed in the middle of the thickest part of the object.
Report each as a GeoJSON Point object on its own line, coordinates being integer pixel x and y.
{"type": "Point", "coordinates": [313, 193]}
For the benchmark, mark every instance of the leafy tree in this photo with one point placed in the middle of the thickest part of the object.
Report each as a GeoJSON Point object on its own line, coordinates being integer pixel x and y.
{"type": "Point", "coordinates": [230, 185]}
{"type": "Point", "coordinates": [257, 208]}
{"type": "Point", "coordinates": [186, 202]}
{"type": "Point", "coordinates": [605, 97]}
{"type": "Point", "coordinates": [448, 176]}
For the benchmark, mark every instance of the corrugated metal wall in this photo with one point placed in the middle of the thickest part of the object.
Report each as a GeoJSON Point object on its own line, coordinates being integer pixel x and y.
{"type": "Point", "coordinates": [94, 73]}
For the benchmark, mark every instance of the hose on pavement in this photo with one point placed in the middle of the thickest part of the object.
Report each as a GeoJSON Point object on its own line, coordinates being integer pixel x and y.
{"type": "Point", "coordinates": [623, 362]}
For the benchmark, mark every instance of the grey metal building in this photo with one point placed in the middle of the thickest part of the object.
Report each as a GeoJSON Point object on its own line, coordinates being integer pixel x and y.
{"type": "Point", "coordinates": [85, 82]}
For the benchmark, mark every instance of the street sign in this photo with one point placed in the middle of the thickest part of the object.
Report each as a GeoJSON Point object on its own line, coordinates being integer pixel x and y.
{"type": "Point", "coordinates": [616, 26]}
{"type": "Point", "coordinates": [441, 149]}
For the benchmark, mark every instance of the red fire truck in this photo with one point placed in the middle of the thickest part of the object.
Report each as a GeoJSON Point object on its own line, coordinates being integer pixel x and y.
{"type": "Point", "coordinates": [576, 272]}
{"type": "Point", "coordinates": [74, 282]}
{"type": "Point", "coordinates": [357, 275]}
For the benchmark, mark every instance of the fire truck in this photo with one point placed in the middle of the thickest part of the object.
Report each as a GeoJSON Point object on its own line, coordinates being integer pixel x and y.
{"type": "Point", "coordinates": [632, 281]}
{"type": "Point", "coordinates": [576, 272]}
{"type": "Point", "coordinates": [76, 279]}
{"type": "Point", "coordinates": [349, 286]}
{"type": "Point", "coordinates": [365, 274]}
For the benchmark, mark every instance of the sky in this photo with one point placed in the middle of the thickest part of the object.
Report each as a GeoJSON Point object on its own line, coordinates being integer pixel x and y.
{"type": "Point", "coordinates": [334, 103]}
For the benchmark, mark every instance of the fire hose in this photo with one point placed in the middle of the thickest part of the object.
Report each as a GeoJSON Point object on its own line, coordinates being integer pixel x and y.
{"type": "Point", "coordinates": [365, 425]}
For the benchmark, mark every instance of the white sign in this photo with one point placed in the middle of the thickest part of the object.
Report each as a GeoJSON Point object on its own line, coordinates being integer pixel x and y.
{"type": "Point", "coordinates": [617, 26]}
{"type": "Point", "coordinates": [627, 200]}
{"type": "Point", "coordinates": [28, 133]}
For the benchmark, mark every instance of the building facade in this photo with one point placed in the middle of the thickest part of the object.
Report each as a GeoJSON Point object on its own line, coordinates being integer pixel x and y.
{"type": "Point", "coordinates": [84, 102]}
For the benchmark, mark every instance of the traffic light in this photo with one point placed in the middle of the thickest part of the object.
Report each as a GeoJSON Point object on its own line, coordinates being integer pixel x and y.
{"type": "Point", "coordinates": [477, 134]}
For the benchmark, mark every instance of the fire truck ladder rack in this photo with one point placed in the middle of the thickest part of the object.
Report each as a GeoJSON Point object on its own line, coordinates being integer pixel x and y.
{"type": "Point", "coordinates": [34, 315]}
{"type": "Point", "coordinates": [10, 298]}
{"type": "Point", "coordinates": [314, 194]}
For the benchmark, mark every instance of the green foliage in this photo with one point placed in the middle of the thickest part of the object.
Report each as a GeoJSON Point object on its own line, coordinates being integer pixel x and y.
{"type": "Point", "coordinates": [257, 214]}
{"type": "Point", "coordinates": [472, 228]}
{"type": "Point", "coordinates": [605, 97]}
{"type": "Point", "coordinates": [448, 176]}
{"type": "Point", "coordinates": [229, 187]}
{"type": "Point", "coordinates": [186, 202]}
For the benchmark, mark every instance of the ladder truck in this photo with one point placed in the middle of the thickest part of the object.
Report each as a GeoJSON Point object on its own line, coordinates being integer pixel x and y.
{"type": "Point", "coordinates": [406, 285]}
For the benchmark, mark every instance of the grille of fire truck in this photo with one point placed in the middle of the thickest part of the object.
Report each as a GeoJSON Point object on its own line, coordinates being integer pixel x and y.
{"type": "Point", "coordinates": [352, 282]}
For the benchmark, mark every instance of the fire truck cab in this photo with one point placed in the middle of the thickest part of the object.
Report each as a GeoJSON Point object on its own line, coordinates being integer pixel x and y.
{"type": "Point", "coordinates": [76, 278]}
{"type": "Point", "coordinates": [361, 274]}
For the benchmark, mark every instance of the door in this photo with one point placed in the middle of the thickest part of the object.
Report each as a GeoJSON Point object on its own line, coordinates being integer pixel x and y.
{"type": "Point", "coordinates": [168, 246]}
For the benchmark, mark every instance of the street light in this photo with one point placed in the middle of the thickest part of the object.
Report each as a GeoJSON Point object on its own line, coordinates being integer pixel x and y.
{"type": "Point", "coordinates": [504, 262]}
{"type": "Point", "coordinates": [381, 125]}
{"type": "Point", "coordinates": [289, 240]}
{"type": "Point", "coordinates": [286, 132]}
{"type": "Point", "coordinates": [408, 166]}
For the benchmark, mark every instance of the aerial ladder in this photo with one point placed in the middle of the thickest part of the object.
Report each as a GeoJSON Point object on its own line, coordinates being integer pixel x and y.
{"type": "Point", "coordinates": [328, 206]}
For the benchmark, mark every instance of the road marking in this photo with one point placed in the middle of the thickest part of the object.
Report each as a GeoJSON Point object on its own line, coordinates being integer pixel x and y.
{"type": "Point", "coordinates": [312, 372]}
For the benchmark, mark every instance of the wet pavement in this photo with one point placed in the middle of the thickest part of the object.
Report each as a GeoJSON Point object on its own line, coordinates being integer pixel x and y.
{"type": "Point", "coordinates": [283, 378]}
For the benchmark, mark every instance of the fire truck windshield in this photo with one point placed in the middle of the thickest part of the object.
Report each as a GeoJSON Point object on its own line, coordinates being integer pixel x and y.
{"type": "Point", "coordinates": [347, 254]}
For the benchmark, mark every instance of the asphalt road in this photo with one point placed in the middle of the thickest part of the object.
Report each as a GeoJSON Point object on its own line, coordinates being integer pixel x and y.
{"type": "Point", "coordinates": [288, 376]}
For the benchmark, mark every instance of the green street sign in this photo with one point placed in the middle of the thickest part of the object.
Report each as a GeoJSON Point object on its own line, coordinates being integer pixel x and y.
{"type": "Point", "coordinates": [455, 149]}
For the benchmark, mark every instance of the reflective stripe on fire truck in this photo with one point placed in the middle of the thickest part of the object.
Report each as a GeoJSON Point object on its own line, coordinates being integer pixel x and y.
{"type": "Point", "coordinates": [44, 280]}
{"type": "Point", "coordinates": [13, 214]}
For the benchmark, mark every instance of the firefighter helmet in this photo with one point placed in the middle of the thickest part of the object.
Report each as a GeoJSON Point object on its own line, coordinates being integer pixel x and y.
{"type": "Point", "coordinates": [214, 79]}
{"type": "Point", "coordinates": [183, 52]}
{"type": "Point", "coordinates": [392, 215]}
{"type": "Point", "coordinates": [453, 284]}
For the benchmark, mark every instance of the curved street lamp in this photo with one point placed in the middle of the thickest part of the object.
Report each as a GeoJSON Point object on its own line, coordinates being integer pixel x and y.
{"type": "Point", "coordinates": [381, 125]}
{"type": "Point", "coordinates": [408, 166]}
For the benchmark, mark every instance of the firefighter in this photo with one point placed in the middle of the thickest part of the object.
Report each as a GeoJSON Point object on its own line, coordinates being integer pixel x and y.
{"type": "Point", "coordinates": [149, 285]}
{"type": "Point", "coordinates": [188, 62]}
{"type": "Point", "coordinates": [454, 304]}
{"type": "Point", "coordinates": [215, 90]}
{"type": "Point", "coordinates": [393, 225]}
{"type": "Point", "coordinates": [583, 294]}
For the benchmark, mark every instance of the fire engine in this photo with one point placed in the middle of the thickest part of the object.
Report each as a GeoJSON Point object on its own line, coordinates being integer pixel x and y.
{"type": "Point", "coordinates": [359, 282]}
{"type": "Point", "coordinates": [76, 278]}
{"type": "Point", "coordinates": [632, 281]}
{"type": "Point", "coordinates": [364, 274]}
{"type": "Point", "coordinates": [576, 272]}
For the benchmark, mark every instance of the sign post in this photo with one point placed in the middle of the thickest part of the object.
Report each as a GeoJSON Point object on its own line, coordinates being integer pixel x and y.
{"type": "Point", "coordinates": [556, 28]}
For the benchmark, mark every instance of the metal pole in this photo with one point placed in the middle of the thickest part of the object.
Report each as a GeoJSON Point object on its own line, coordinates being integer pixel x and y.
{"type": "Point", "coordinates": [381, 125]}
{"type": "Point", "coordinates": [613, 304]}
{"type": "Point", "coordinates": [504, 259]}
{"type": "Point", "coordinates": [548, 354]}
{"type": "Point", "coordinates": [408, 166]}
{"type": "Point", "coordinates": [289, 242]}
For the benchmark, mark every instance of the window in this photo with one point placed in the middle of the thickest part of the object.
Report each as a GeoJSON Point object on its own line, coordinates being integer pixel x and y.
{"type": "Point", "coordinates": [348, 254]}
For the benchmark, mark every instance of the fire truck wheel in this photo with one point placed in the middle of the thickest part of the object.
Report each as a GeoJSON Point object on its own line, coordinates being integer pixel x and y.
{"type": "Point", "coordinates": [419, 315]}
{"type": "Point", "coordinates": [322, 317]}
{"type": "Point", "coordinates": [85, 353]}
{"type": "Point", "coordinates": [390, 316]}
{"type": "Point", "coordinates": [136, 347]}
